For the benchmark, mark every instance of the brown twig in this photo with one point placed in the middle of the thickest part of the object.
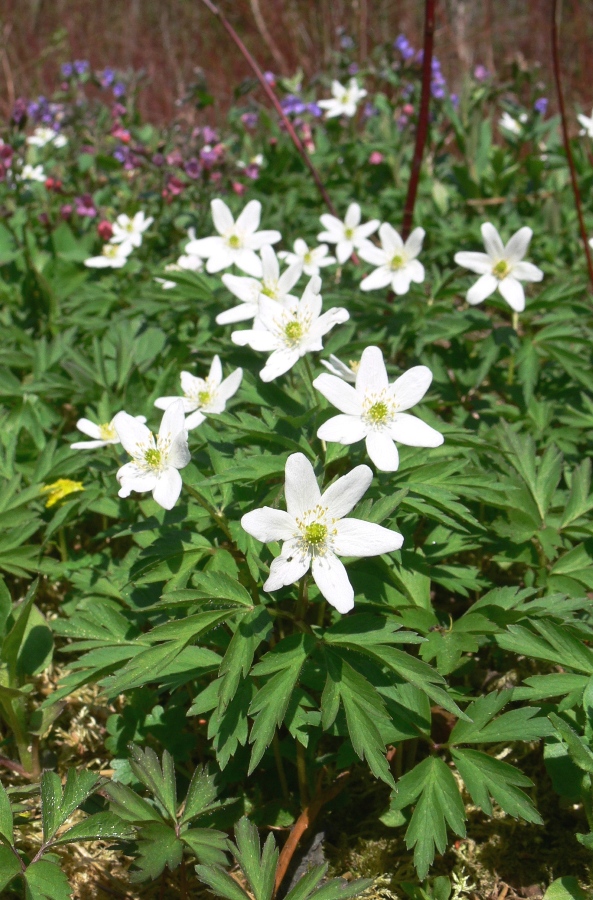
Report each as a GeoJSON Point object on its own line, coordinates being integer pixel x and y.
{"type": "Point", "coordinates": [266, 36]}
{"type": "Point", "coordinates": [275, 102]}
{"type": "Point", "coordinates": [565, 137]}
{"type": "Point", "coordinates": [306, 818]}
{"type": "Point", "coordinates": [422, 129]}
{"type": "Point", "coordinates": [13, 766]}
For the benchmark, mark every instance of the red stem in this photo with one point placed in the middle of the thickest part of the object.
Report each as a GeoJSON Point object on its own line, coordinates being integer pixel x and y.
{"type": "Point", "coordinates": [566, 139]}
{"type": "Point", "coordinates": [275, 102]}
{"type": "Point", "coordinates": [422, 129]}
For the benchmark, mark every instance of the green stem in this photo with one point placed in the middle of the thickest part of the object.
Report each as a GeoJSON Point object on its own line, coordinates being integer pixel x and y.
{"type": "Point", "coordinates": [303, 599]}
{"type": "Point", "coordinates": [62, 545]}
{"type": "Point", "coordinates": [280, 767]}
{"type": "Point", "coordinates": [309, 380]}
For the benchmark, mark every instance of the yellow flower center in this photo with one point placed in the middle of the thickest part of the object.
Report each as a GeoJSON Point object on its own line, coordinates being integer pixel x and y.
{"type": "Point", "coordinates": [397, 262]}
{"type": "Point", "coordinates": [349, 233]}
{"type": "Point", "coordinates": [153, 457]}
{"type": "Point", "coordinates": [234, 241]}
{"type": "Point", "coordinates": [501, 269]}
{"type": "Point", "coordinates": [315, 533]}
{"type": "Point", "coordinates": [203, 397]}
{"type": "Point", "coordinates": [307, 258]}
{"type": "Point", "coordinates": [268, 291]}
{"type": "Point", "coordinates": [378, 412]}
{"type": "Point", "coordinates": [107, 432]}
{"type": "Point", "coordinates": [293, 331]}
{"type": "Point", "coordinates": [110, 250]}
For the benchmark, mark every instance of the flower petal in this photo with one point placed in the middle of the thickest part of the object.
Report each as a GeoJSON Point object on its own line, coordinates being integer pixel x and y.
{"type": "Point", "coordinates": [229, 386]}
{"type": "Point", "coordinates": [484, 286]}
{"type": "Point", "coordinates": [332, 580]}
{"type": "Point", "coordinates": [168, 487]}
{"type": "Point", "coordinates": [390, 239]}
{"type": "Point", "coordinates": [344, 250]}
{"type": "Point", "coordinates": [352, 217]}
{"type": "Point", "coordinates": [413, 432]}
{"type": "Point", "coordinates": [246, 289]}
{"type": "Point", "coordinates": [382, 451]}
{"type": "Point", "coordinates": [287, 568]}
{"type": "Point", "coordinates": [173, 421]}
{"type": "Point", "coordinates": [132, 433]}
{"type": "Point", "coordinates": [88, 445]}
{"type": "Point", "coordinates": [222, 218]}
{"type": "Point", "coordinates": [342, 496]}
{"type": "Point", "coordinates": [263, 238]}
{"type": "Point", "coordinates": [215, 373]}
{"type": "Point", "coordinates": [401, 281]}
{"type": "Point", "coordinates": [517, 246]}
{"type": "Point", "coordinates": [279, 362]}
{"type": "Point", "coordinates": [248, 261]}
{"type": "Point", "coordinates": [526, 271]}
{"type": "Point", "coordinates": [301, 488]}
{"type": "Point", "coordinates": [480, 263]}
{"type": "Point", "coordinates": [91, 428]}
{"type": "Point", "coordinates": [132, 478]}
{"type": "Point", "coordinates": [241, 313]}
{"type": "Point", "coordinates": [371, 254]}
{"type": "Point", "coordinates": [357, 538]}
{"type": "Point", "coordinates": [267, 524]}
{"type": "Point", "coordinates": [343, 429]}
{"type": "Point", "coordinates": [248, 221]}
{"type": "Point", "coordinates": [410, 388]}
{"type": "Point", "coordinates": [194, 420]}
{"type": "Point", "coordinates": [257, 340]}
{"type": "Point", "coordinates": [342, 395]}
{"type": "Point", "coordinates": [414, 243]}
{"type": "Point", "coordinates": [513, 293]}
{"type": "Point", "coordinates": [492, 241]}
{"type": "Point", "coordinates": [372, 374]}
{"type": "Point", "coordinates": [377, 280]}
{"type": "Point", "coordinates": [204, 247]}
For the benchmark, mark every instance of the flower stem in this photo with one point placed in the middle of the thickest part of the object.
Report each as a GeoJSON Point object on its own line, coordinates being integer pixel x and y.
{"type": "Point", "coordinates": [301, 765]}
{"type": "Point", "coordinates": [303, 599]}
{"type": "Point", "coordinates": [309, 380]}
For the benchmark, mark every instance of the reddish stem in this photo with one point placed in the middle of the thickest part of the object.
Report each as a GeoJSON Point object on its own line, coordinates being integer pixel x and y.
{"type": "Point", "coordinates": [275, 102]}
{"type": "Point", "coordinates": [566, 139]}
{"type": "Point", "coordinates": [422, 129]}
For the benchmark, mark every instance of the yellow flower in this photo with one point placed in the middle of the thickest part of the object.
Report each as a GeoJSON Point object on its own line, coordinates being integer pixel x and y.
{"type": "Point", "coordinates": [60, 489]}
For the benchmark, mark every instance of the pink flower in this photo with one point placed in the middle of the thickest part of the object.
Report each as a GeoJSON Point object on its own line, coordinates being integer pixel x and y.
{"type": "Point", "coordinates": [105, 230]}
{"type": "Point", "coordinates": [239, 188]}
{"type": "Point", "coordinates": [376, 158]}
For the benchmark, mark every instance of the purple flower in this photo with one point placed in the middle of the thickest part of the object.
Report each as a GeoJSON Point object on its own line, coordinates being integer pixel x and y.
{"type": "Point", "coordinates": [481, 73]}
{"type": "Point", "coordinates": [158, 159]}
{"type": "Point", "coordinates": [106, 77]}
{"type": "Point", "coordinates": [121, 154]}
{"type": "Point", "coordinates": [174, 158]}
{"type": "Point", "coordinates": [81, 66]}
{"type": "Point", "coordinates": [19, 110]}
{"type": "Point", "coordinates": [252, 171]}
{"type": "Point", "coordinates": [293, 105]}
{"type": "Point", "coordinates": [209, 135]}
{"type": "Point", "coordinates": [250, 119]}
{"type": "Point", "coordinates": [209, 156]}
{"type": "Point", "coordinates": [353, 68]}
{"type": "Point", "coordinates": [454, 100]}
{"type": "Point", "coordinates": [85, 206]}
{"type": "Point", "coordinates": [437, 91]}
{"type": "Point", "coordinates": [314, 110]}
{"type": "Point", "coordinates": [402, 44]}
{"type": "Point", "coordinates": [541, 105]}
{"type": "Point", "coordinates": [369, 111]}
{"type": "Point", "coordinates": [193, 169]}
{"type": "Point", "coordinates": [67, 70]}
{"type": "Point", "coordinates": [270, 77]}
{"type": "Point", "coordinates": [119, 89]}
{"type": "Point", "coordinates": [66, 210]}
{"type": "Point", "coordinates": [346, 42]}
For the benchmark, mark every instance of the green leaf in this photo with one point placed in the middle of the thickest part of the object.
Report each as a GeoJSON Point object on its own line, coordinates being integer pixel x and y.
{"type": "Point", "coordinates": [250, 632]}
{"type": "Point", "coordinates": [439, 803]}
{"type": "Point", "coordinates": [209, 845]}
{"type": "Point", "coordinates": [46, 881]}
{"type": "Point", "coordinates": [259, 871]}
{"type": "Point", "coordinates": [57, 807]}
{"type": "Point", "coordinates": [578, 749]}
{"type": "Point", "coordinates": [516, 725]}
{"type": "Point", "coordinates": [126, 803]}
{"type": "Point", "coordinates": [208, 586]}
{"type": "Point", "coordinates": [580, 500]}
{"type": "Point", "coordinates": [485, 777]}
{"type": "Point", "coordinates": [566, 888]}
{"type": "Point", "coordinates": [9, 649]}
{"type": "Point", "coordinates": [103, 826]}
{"type": "Point", "coordinates": [221, 883]}
{"type": "Point", "coordinates": [554, 643]}
{"type": "Point", "coordinates": [160, 781]}
{"type": "Point", "coordinates": [9, 866]}
{"type": "Point", "coordinates": [201, 795]}
{"type": "Point", "coordinates": [6, 825]}
{"type": "Point", "coordinates": [5, 606]}
{"type": "Point", "coordinates": [158, 847]}
{"type": "Point", "coordinates": [336, 889]}
{"type": "Point", "coordinates": [144, 667]}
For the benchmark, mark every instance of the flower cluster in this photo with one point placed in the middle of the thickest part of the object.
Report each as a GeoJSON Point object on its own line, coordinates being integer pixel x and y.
{"type": "Point", "coordinates": [127, 234]}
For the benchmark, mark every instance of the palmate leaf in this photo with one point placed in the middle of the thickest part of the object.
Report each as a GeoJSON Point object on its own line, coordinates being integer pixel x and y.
{"type": "Point", "coordinates": [258, 865]}
{"type": "Point", "coordinates": [579, 752]}
{"type": "Point", "coordinates": [249, 634]}
{"type": "Point", "coordinates": [364, 709]}
{"type": "Point", "coordinates": [46, 881]}
{"type": "Point", "coordinates": [521, 724]}
{"type": "Point", "coordinates": [6, 822]}
{"type": "Point", "coordinates": [158, 847]}
{"type": "Point", "coordinates": [9, 866]}
{"type": "Point", "coordinates": [56, 806]}
{"type": "Point", "coordinates": [487, 777]}
{"type": "Point", "coordinates": [160, 780]}
{"type": "Point", "coordinates": [98, 827]}
{"type": "Point", "coordinates": [201, 795]}
{"type": "Point", "coordinates": [554, 643]}
{"type": "Point", "coordinates": [439, 803]}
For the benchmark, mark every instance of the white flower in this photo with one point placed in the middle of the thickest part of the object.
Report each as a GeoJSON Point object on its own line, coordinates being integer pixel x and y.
{"type": "Point", "coordinates": [373, 410]}
{"type": "Point", "coordinates": [130, 231]}
{"type": "Point", "coordinates": [290, 332]}
{"type": "Point", "coordinates": [337, 367]}
{"type": "Point", "coordinates": [344, 100]}
{"type": "Point", "coordinates": [311, 260]}
{"type": "Point", "coordinates": [500, 267]}
{"type": "Point", "coordinates": [249, 290]}
{"type": "Point", "coordinates": [507, 122]}
{"type": "Point", "coordinates": [237, 241]}
{"type": "Point", "coordinates": [348, 235]}
{"type": "Point", "coordinates": [587, 124]}
{"type": "Point", "coordinates": [190, 262]}
{"type": "Point", "coordinates": [113, 256]}
{"type": "Point", "coordinates": [155, 462]}
{"type": "Point", "coordinates": [204, 395]}
{"type": "Point", "coordinates": [315, 532]}
{"type": "Point", "coordinates": [102, 434]}
{"type": "Point", "coordinates": [32, 173]}
{"type": "Point", "coordinates": [44, 135]}
{"type": "Point", "coordinates": [396, 261]}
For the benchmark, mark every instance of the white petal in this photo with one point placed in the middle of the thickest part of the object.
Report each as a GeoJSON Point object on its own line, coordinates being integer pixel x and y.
{"type": "Point", "coordinates": [414, 243]}
{"type": "Point", "coordinates": [332, 580]}
{"type": "Point", "coordinates": [358, 538]}
{"type": "Point", "coordinates": [401, 281]}
{"type": "Point", "coordinates": [513, 293]}
{"type": "Point", "coordinates": [410, 388]}
{"type": "Point", "coordinates": [88, 445]}
{"type": "Point", "coordinates": [390, 239]}
{"type": "Point", "coordinates": [526, 271]}
{"type": "Point", "coordinates": [382, 451]}
{"type": "Point", "coordinates": [278, 363]}
{"type": "Point", "coordinates": [168, 487]}
{"type": "Point", "coordinates": [480, 263]}
{"type": "Point", "coordinates": [241, 313]}
{"type": "Point", "coordinates": [343, 396]}
{"type": "Point", "coordinates": [492, 241]}
{"type": "Point", "coordinates": [270, 266]}
{"type": "Point", "coordinates": [267, 524]}
{"type": "Point", "coordinates": [165, 403]}
{"type": "Point", "coordinates": [414, 432]}
{"type": "Point", "coordinates": [131, 432]}
{"type": "Point", "coordinates": [90, 428]}
{"type": "Point", "coordinates": [249, 220]}
{"type": "Point", "coordinates": [194, 420]}
{"type": "Point", "coordinates": [352, 218]}
{"type": "Point", "coordinates": [264, 238]}
{"type": "Point", "coordinates": [205, 247]}
{"type": "Point", "coordinates": [517, 246]}
{"type": "Point", "coordinates": [301, 488]}
{"type": "Point", "coordinates": [173, 421]}
{"type": "Point", "coordinates": [287, 568]}
{"type": "Point", "coordinates": [246, 289]}
{"type": "Point", "coordinates": [215, 374]}
{"type": "Point", "coordinates": [371, 254]}
{"type": "Point", "coordinates": [222, 217]}
{"type": "Point", "coordinates": [377, 280]}
{"type": "Point", "coordinates": [342, 496]}
{"type": "Point", "coordinates": [416, 271]}
{"type": "Point", "coordinates": [484, 286]}
{"type": "Point", "coordinates": [335, 316]}
{"type": "Point", "coordinates": [289, 278]}
{"type": "Point", "coordinates": [221, 259]}
{"type": "Point", "coordinates": [179, 455]}
{"type": "Point", "coordinates": [132, 478]}
{"type": "Point", "coordinates": [229, 386]}
{"type": "Point", "coordinates": [343, 429]}
{"type": "Point", "coordinates": [344, 250]}
{"type": "Point", "coordinates": [364, 231]}
{"type": "Point", "coordinates": [190, 384]}
{"type": "Point", "coordinates": [333, 226]}
{"type": "Point", "coordinates": [248, 261]}
{"type": "Point", "coordinates": [263, 341]}
{"type": "Point", "coordinates": [372, 374]}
